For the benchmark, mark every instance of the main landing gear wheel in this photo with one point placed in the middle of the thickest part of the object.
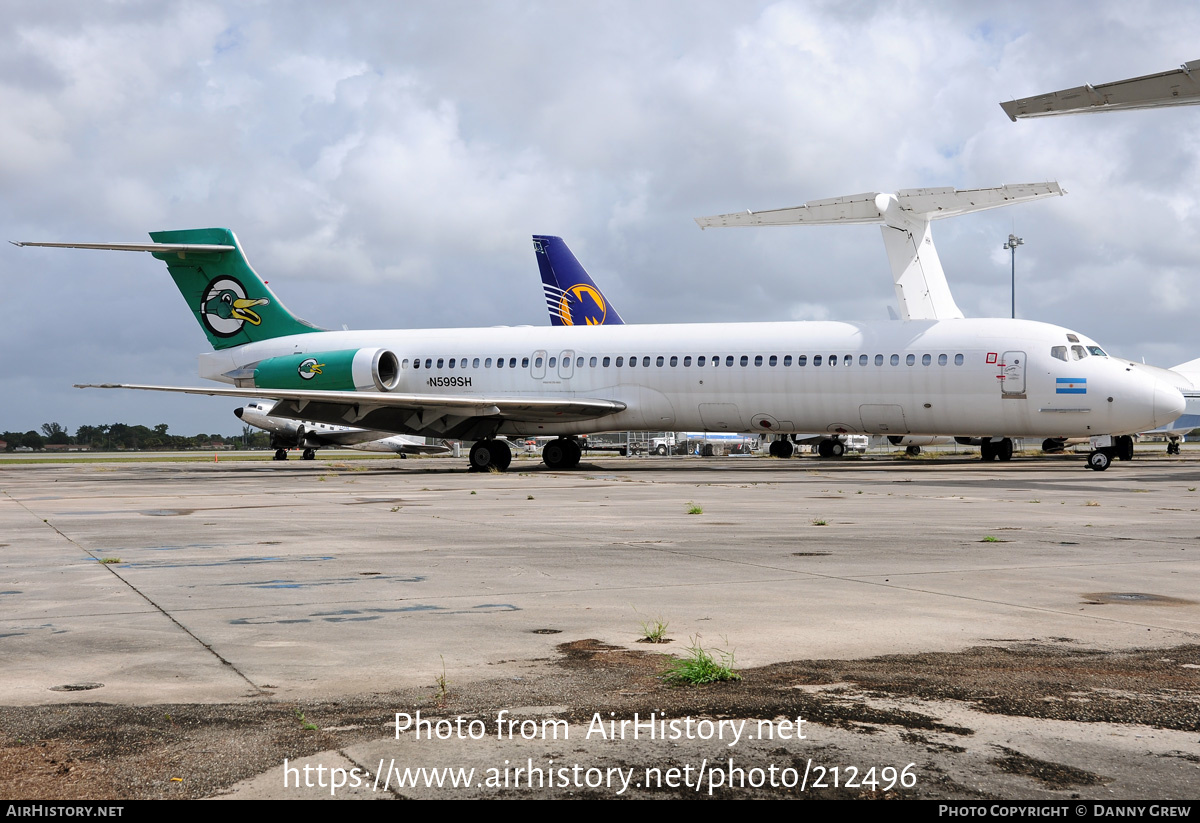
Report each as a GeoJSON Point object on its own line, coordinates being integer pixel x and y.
{"type": "Point", "coordinates": [490, 454]}
{"type": "Point", "coordinates": [1124, 445]}
{"type": "Point", "coordinates": [989, 451]}
{"type": "Point", "coordinates": [309, 454]}
{"type": "Point", "coordinates": [1173, 447]}
{"type": "Point", "coordinates": [280, 454]}
{"type": "Point", "coordinates": [912, 451]}
{"type": "Point", "coordinates": [831, 448]}
{"type": "Point", "coordinates": [1004, 449]}
{"type": "Point", "coordinates": [780, 448]}
{"type": "Point", "coordinates": [1099, 460]}
{"type": "Point", "coordinates": [561, 454]}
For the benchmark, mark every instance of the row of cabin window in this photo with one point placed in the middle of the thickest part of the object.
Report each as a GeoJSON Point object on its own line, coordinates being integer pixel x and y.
{"type": "Point", "coordinates": [701, 361]}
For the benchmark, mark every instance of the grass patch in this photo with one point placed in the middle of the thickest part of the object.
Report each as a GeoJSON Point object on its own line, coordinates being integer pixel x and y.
{"type": "Point", "coordinates": [692, 508]}
{"type": "Point", "coordinates": [654, 630]}
{"type": "Point", "coordinates": [820, 522]}
{"type": "Point", "coordinates": [304, 724]}
{"type": "Point", "coordinates": [700, 667]}
{"type": "Point", "coordinates": [1092, 503]}
{"type": "Point", "coordinates": [348, 467]}
{"type": "Point", "coordinates": [110, 560]}
{"type": "Point", "coordinates": [442, 684]}
{"type": "Point", "coordinates": [991, 538]}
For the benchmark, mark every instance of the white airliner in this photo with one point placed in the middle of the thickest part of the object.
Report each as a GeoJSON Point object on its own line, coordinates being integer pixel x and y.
{"type": "Point", "coordinates": [310, 436]}
{"type": "Point", "coordinates": [928, 375]}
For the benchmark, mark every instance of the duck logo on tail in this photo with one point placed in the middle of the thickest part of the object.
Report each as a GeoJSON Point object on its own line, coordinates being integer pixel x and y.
{"type": "Point", "coordinates": [225, 308]}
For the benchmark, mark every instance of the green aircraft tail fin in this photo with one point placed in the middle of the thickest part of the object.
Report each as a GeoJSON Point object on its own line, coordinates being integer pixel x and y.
{"type": "Point", "coordinates": [230, 301]}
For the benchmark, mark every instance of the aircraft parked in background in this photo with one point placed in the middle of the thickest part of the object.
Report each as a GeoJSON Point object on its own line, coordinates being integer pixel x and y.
{"type": "Point", "coordinates": [310, 436]}
{"type": "Point", "coordinates": [572, 298]}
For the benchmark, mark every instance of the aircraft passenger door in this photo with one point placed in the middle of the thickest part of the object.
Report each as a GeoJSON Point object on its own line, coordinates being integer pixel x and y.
{"type": "Point", "coordinates": [537, 365]}
{"type": "Point", "coordinates": [1012, 374]}
{"type": "Point", "coordinates": [566, 364]}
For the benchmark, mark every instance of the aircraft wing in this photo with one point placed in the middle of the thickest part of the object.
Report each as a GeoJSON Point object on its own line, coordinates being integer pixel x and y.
{"type": "Point", "coordinates": [1180, 87]}
{"type": "Point", "coordinates": [449, 415]}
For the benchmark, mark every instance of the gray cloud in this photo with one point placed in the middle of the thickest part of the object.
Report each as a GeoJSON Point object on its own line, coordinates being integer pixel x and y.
{"type": "Point", "coordinates": [384, 165]}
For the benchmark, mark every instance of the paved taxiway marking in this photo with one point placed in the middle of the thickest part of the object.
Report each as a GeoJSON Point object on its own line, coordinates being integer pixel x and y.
{"type": "Point", "coordinates": [109, 568]}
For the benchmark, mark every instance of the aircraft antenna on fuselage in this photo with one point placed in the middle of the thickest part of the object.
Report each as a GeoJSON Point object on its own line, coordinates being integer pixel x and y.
{"type": "Point", "coordinates": [921, 288]}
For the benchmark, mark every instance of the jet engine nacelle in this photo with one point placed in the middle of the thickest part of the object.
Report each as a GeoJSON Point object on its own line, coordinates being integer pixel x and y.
{"type": "Point", "coordinates": [347, 370]}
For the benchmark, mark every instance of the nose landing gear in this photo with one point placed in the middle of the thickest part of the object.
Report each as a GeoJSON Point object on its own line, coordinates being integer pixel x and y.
{"type": "Point", "coordinates": [1121, 449]}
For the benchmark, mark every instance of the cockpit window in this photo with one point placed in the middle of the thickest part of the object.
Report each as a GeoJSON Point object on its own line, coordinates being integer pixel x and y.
{"type": "Point", "coordinates": [1078, 352]}
{"type": "Point", "coordinates": [1096, 350]}
{"type": "Point", "coordinates": [1072, 338]}
{"type": "Point", "coordinates": [1059, 352]}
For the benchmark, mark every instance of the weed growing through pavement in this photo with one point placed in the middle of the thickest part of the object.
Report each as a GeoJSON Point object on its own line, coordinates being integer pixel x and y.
{"type": "Point", "coordinates": [700, 667]}
{"type": "Point", "coordinates": [654, 630]}
{"type": "Point", "coordinates": [304, 724]}
{"type": "Point", "coordinates": [443, 685]}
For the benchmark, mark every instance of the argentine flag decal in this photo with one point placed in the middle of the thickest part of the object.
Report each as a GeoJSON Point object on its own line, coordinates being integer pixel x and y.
{"type": "Point", "coordinates": [1070, 385]}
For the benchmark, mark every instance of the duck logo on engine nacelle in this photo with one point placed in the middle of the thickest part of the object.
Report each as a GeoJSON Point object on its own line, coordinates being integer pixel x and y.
{"type": "Point", "coordinates": [310, 368]}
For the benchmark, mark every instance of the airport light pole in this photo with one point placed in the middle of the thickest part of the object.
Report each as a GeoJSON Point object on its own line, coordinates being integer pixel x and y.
{"type": "Point", "coordinates": [1011, 245]}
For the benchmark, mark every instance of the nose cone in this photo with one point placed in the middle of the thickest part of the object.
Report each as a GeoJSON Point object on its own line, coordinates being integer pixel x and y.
{"type": "Point", "coordinates": [238, 412]}
{"type": "Point", "coordinates": [1169, 403]}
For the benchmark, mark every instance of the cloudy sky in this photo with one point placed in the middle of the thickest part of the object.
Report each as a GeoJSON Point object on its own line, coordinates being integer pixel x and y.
{"type": "Point", "coordinates": [384, 163]}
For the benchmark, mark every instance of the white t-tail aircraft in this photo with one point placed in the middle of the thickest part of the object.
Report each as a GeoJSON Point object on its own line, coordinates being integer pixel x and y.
{"type": "Point", "coordinates": [935, 372]}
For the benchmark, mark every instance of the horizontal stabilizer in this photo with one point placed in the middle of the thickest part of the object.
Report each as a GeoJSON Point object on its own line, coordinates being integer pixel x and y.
{"type": "Point", "coordinates": [232, 304]}
{"type": "Point", "coordinates": [897, 210]}
{"type": "Point", "coordinates": [921, 288]}
{"type": "Point", "coordinates": [1180, 87]}
{"type": "Point", "coordinates": [182, 249]}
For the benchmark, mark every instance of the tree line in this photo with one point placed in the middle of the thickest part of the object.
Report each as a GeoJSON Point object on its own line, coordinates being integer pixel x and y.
{"type": "Point", "coordinates": [121, 437]}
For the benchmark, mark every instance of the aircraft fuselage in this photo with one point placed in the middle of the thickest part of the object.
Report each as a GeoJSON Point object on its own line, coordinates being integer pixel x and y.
{"type": "Point", "coordinates": [969, 377]}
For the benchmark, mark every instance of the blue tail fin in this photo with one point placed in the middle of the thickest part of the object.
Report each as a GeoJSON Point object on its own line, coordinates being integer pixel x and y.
{"type": "Point", "coordinates": [571, 297]}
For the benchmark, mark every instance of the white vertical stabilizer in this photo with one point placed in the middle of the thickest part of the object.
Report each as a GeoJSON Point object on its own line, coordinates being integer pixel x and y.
{"type": "Point", "coordinates": [921, 288]}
